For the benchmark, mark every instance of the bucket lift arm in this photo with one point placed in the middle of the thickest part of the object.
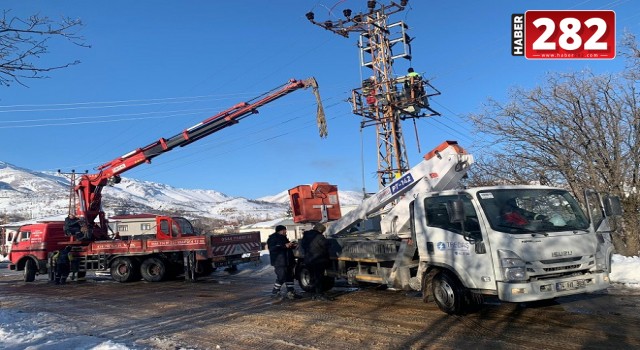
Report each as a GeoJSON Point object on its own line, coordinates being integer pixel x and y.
{"type": "Point", "coordinates": [441, 169]}
{"type": "Point", "coordinates": [89, 186]}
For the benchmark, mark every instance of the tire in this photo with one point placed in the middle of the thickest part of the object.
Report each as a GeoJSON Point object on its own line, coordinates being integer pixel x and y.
{"type": "Point", "coordinates": [205, 268]}
{"type": "Point", "coordinates": [304, 280]}
{"type": "Point", "coordinates": [153, 269]}
{"type": "Point", "coordinates": [30, 269]}
{"type": "Point", "coordinates": [449, 294]}
{"type": "Point", "coordinates": [124, 270]}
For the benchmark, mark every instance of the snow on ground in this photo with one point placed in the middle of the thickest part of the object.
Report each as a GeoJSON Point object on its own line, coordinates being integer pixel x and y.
{"type": "Point", "coordinates": [20, 330]}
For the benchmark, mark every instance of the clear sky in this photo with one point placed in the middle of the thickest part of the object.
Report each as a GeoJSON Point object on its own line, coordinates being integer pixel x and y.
{"type": "Point", "coordinates": [157, 67]}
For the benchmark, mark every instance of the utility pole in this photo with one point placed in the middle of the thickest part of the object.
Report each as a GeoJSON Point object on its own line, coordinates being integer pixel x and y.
{"type": "Point", "coordinates": [72, 207]}
{"type": "Point", "coordinates": [384, 100]}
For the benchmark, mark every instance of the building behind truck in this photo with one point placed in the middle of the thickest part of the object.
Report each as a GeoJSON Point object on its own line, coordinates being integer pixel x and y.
{"type": "Point", "coordinates": [133, 225]}
{"type": "Point", "coordinates": [425, 232]}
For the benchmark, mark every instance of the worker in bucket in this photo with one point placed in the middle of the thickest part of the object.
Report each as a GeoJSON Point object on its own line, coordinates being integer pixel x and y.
{"type": "Point", "coordinates": [413, 85]}
{"type": "Point", "coordinates": [282, 259]}
{"type": "Point", "coordinates": [73, 226]}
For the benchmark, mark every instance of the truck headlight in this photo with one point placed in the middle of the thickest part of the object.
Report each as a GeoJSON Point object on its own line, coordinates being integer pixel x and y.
{"type": "Point", "coordinates": [513, 267]}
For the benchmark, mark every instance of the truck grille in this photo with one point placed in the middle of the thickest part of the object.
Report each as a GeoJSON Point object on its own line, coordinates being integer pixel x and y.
{"type": "Point", "coordinates": [561, 268]}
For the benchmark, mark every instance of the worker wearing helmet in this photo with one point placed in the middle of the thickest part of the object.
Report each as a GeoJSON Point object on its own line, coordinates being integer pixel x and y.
{"type": "Point", "coordinates": [413, 84]}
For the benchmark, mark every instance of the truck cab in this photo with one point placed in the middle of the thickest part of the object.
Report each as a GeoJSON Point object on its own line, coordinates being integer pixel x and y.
{"type": "Point", "coordinates": [173, 227]}
{"type": "Point", "coordinates": [29, 247]}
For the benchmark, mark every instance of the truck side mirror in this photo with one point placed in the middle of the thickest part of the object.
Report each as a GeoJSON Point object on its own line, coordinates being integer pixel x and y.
{"type": "Point", "coordinates": [456, 212]}
{"type": "Point", "coordinates": [612, 206]}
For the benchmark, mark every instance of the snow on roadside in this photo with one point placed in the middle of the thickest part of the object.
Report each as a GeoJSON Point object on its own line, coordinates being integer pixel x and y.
{"type": "Point", "coordinates": [42, 331]}
{"type": "Point", "coordinates": [626, 270]}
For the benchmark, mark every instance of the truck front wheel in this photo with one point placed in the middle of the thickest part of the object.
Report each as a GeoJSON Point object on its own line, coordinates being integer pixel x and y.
{"type": "Point", "coordinates": [30, 268]}
{"type": "Point", "coordinates": [124, 270]}
{"type": "Point", "coordinates": [449, 294]}
{"type": "Point", "coordinates": [153, 269]}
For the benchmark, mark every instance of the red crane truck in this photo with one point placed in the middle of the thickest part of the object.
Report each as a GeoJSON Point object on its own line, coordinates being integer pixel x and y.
{"type": "Point", "coordinates": [175, 247]}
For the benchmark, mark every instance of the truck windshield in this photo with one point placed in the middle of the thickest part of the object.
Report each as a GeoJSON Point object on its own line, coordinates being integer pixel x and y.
{"type": "Point", "coordinates": [532, 210]}
{"type": "Point", "coordinates": [185, 226]}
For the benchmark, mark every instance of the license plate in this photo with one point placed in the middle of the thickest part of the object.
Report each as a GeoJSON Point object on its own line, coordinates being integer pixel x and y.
{"type": "Point", "coordinates": [570, 285]}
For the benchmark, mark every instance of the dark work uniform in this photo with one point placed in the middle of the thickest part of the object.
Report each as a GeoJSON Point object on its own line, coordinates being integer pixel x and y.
{"type": "Point", "coordinates": [282, 260]}
{"type": "Point", "coordinates": [316, 258]}
{"type": "Point", "coordinates": [63, 265]}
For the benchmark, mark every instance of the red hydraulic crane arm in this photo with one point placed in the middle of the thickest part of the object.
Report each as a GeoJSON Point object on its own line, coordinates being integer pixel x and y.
{"type": "Point", "coordinates": [90, 186]}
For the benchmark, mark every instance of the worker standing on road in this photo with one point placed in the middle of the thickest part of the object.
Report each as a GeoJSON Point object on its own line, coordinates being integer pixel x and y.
{"type": "Point", "coordinates": [282, 259]}
{"type": "Point", "coordinates": [316, 258]}
{"type": "Point", "coordinates": [74, 264]}
{"type": "Point", "coordinates": [62, 259]}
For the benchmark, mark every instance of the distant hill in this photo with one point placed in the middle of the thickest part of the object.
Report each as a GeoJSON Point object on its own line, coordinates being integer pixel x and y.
{"type": "Point", "coordinates": [34, 194]}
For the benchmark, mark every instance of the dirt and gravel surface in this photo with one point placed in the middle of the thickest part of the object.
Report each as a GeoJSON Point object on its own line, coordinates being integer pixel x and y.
{"type": "Point", "coordinates": [234, 311]}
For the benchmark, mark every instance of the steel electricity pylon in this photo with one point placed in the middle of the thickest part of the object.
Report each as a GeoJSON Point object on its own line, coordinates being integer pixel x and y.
{"type": "Point", "coordinates": [384, 100]}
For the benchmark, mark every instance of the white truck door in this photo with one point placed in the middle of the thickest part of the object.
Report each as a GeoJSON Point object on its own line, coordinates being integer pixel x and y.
{"type": "Point", "coordinates": [463, 247]}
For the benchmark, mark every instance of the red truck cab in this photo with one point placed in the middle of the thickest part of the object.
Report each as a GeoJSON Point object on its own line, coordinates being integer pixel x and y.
{"type": "Point", "coordinates": [173, 227]}
{"type": "Point", "coordinates": [30, 246]}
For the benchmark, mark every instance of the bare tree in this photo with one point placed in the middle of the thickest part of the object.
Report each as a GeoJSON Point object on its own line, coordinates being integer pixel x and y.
{"type": "Point", "coordinates": [579, 130]}
{"type": "Point", "coordinates": [24, 41]}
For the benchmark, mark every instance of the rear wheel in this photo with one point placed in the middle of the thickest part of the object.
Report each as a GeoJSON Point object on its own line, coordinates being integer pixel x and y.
{"type": "Point", "coordinates": [205, 268]}
{"type": "Point", "coordinates": [124, 270]}
{"type": "Point", "coordinates": [153, 269]}
{"type": "Point", "coordinates": [306, 284]}
{"type": "Point", "coordinates": [449, 294]}
{"type": "Point", "coordinates": [304, 279]}
{"type": "Point", "coordinates": [30, 269]}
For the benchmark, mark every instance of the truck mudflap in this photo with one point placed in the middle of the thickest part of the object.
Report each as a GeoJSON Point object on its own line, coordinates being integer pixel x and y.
{"type": "Point", "coordinates": [552, 288]}
{"type": "Point", "coordinates": [235, 244]}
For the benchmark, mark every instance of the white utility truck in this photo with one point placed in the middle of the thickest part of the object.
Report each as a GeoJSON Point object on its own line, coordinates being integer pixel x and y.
{"type": "Point", "coordinates": [519, 243]}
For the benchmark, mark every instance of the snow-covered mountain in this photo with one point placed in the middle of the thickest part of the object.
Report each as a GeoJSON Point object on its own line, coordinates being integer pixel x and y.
{"type": "Point", "coordinates": [32, 194]}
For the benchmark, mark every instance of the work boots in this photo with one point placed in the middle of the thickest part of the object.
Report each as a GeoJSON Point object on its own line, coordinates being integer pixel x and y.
{"type": "Point", "coordinates": [291, 295]}
{"type": "Point", "coordinates": [275, 293]}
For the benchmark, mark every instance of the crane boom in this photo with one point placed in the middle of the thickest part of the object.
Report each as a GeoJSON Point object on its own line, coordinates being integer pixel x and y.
{"type": "Point", "coordinates": [89, 186]}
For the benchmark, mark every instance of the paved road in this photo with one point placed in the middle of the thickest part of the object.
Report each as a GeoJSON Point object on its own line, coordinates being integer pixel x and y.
{"type": "Point", "coordinates": [235, 312]}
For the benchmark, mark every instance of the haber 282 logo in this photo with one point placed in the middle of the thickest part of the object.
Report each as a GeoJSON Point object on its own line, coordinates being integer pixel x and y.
{"type": "Point", "coordinates": [564, 34]}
